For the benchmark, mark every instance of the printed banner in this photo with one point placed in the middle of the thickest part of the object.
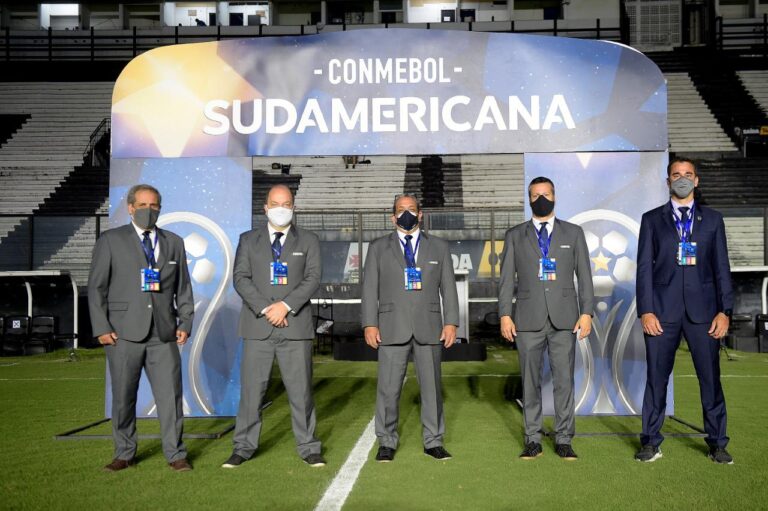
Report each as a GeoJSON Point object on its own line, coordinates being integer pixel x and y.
{"type": "Point", "coordinates": [388, 91]}
{"type": "Point", "coordinates": [606, 194]}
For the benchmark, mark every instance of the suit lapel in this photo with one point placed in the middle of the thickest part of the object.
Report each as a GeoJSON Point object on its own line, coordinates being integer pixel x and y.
{"type": "Point", "coordinates": [396, 248]}
{"type": "Point", "coordinates": [134, 241]}
{"type": "Point", "coordinates": [698, 220]}
{"type": "Point", "coordinates": [162, 240]}
{"type": "Point", "coordinates": [533, 238]}
{"type": "Point", "coordinates": [423, 253]}
{"type": "Point", "coordinates": [557, 234]}
{"type": "Point", "coordinates": [667, 215]}
{"type": "Point", "coordinates": [290, 241]}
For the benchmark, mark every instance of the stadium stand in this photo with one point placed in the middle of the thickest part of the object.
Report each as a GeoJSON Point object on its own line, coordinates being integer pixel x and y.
{"type": "Point", "coordinates": [756, 83]}
{"type": "Point", "coordinates": [493, 181]}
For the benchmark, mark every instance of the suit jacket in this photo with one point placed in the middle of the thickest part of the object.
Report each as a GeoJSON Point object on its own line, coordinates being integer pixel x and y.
{"type": "Point", "coordinates": [301, 252]}
{"type": "Point", "coordinates": [536, 299]}
{"type": "Point", "coordinates": [115, 299]}
{"type": "Point", "coordinates": [669, 290]}
{"type": "Point", "coordinates": [400, 314]}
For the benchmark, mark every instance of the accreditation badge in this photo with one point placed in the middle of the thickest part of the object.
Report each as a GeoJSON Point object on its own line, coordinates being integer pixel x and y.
{"type": "Point", "coordinates": [547, 269]}
{"type": "Point", "coordinates": [150, 280]}
{"type": "Point", "coordinates": [412, 279]}
{"type": "Point", "coordinates": [278, 273]}
{"type": "Point", "coordinates": [686, 253]}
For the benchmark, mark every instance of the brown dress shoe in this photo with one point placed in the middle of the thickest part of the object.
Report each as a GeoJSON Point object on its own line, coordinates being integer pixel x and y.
{"type": "Point", "coordinates": [118, 464]}
{"type": "Point", "coordinates": [181, 465]}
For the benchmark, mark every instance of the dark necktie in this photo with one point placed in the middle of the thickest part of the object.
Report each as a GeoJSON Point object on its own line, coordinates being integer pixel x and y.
{"type": "Point", "coordinates": [277, 248]}
{"type": "Point", "coordinates": [683, 221]}
{"type": "Point", "coordinates": [410, 260]}
{"type": "Point", "coordinates": [543, 239]}
{"type": "Point", "coordinates": [149, 251]}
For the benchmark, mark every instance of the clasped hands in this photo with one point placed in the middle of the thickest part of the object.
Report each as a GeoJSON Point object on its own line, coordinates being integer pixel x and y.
{"type": "Point", "coordinates": [277, 314]}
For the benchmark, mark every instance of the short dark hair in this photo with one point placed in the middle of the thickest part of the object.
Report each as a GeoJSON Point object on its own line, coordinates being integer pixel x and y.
{"type": "Point", "coordinates": [131, 198]}
{"type": "Point", "coordinates": [681, 159]}
{"type": "Point", "coordinates": [538, 181]}
{"type": "Point", "coordinates": [403, 196]}
{"type": "Point", "coordinates": [279, 185]}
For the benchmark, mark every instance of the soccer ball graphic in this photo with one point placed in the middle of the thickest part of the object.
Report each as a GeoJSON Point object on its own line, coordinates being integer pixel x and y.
{"type": "Point", "coordinates": [610, 264]}
{"type": "Point", "coordinates": [202, 269]}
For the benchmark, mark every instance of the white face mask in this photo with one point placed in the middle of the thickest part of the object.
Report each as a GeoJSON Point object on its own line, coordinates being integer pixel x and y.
{"type": "Point", "coordinates": [280, 217]}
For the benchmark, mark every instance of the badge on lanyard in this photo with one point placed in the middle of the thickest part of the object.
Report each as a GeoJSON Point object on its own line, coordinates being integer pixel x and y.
{"type": "Point", "coordinates": [547, 269]}
{"type": "Point", "coordinates": [150, 280]}
{"type": "Point", "coordinates": [278, 273]}
{"type": "Point", "coordinates": [686, 249]}
{"type": "Point", "coordinates": [686, 253]}
{"type": "Point", "coordinates": [412, 279]}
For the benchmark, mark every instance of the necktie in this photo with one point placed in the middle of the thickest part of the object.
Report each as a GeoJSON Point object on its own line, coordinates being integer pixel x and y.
{"type": "Point", "coordinates": [683, 222]}
{"type": "Point", "coordinates": [277, 248]}
{"type": "Point", "coordinates": [410, 260]}
{"type": "Point", "coordinates": [544, 239]}
{"type": "Point", "coordinates": [149, 251]}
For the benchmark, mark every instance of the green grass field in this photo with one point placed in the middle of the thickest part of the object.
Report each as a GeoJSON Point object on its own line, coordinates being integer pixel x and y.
{"type": "Point", "coordinates": [44, 395]}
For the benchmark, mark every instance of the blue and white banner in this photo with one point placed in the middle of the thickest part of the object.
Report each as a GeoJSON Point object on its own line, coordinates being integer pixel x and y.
{"type": "Point", "coordinates": [199, 205]}
{"type": "Point", "coordinates": [606, 194]}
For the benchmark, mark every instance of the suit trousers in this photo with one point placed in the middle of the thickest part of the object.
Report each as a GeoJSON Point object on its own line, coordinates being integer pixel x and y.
{"type": "Point", "coordinates": [561, 346]}
{"type": "Point", "coordinates": [660, 357]}
{"type": "Point", "coordinates": [393, 362]}
{"type": "Point", "coordinates": [294, 357]}
{"type": "Point", "coordinates": [162, 362]}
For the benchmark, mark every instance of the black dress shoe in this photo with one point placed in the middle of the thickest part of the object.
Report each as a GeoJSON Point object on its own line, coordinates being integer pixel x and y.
{"type": "Point", "coordinates": [566, 452]}
{"type": "Point", "coordinates": [720, 455]}
{"type": "Point", "coordinates": [234, 461]}
{"type": "Point", "coordinates": [385, 454]}
{"type": "Point", "coordinates": [315, 460]}
{"type": "Point", "coordinates": [118, 465]}
{"type": "Point", "coordinates": [439, 453]}
{"type": "Point", "coordinates": [648, 454]}
{"type": "Point", "coordinates": [532, 451]}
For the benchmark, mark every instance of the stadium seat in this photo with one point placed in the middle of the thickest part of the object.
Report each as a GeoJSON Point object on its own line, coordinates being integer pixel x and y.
{"type": "Point", "coordinates": [15, 335]}
{"type": "Point", "coordinates": [42, 334]}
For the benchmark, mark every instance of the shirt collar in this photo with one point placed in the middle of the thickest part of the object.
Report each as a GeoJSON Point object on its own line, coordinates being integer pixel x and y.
{"type": "Point", "coordinates": [140, 232]}
{"type": "Point", "coordinates": [550, 223]}
{"type": "Point", "coordinates": [401, 235]}
{"type": "Point", "coordinates": [676, 206]}
{"type": "Point", "coordinates": [272, 232]}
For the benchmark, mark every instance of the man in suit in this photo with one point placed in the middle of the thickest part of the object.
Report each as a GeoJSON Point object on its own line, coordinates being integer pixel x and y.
{"type": "Point", "coordinates": [277, 270]}
{"type": "Point", "coordinates": [538, 265]}
{"type": "Point", "coordinates": [140, 300]}
{"type": "Point", "coordinates": [683, 290]}
{"type": "Point", "coordinates": [406, 274]}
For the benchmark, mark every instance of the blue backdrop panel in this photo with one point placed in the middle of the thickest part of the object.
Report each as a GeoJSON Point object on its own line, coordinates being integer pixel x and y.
{"type": "Point", "coordinates": [607, 193]}
{"type": "Point", "coordinates": [198, 205]}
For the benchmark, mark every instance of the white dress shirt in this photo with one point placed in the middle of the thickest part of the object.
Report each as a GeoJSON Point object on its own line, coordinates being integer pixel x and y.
{"type": "Point", "coordinates": [414, 242]}
{"type": "Point", "coordinates": [550, 224]}
{"type": "Point", "coordinates": [152, 238]}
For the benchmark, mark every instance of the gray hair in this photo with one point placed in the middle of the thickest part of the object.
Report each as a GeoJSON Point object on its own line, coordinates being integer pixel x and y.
{"type": "Point", "coordinates": [131, 198]}
{"type": "Point", "coordinates": [403, 196]}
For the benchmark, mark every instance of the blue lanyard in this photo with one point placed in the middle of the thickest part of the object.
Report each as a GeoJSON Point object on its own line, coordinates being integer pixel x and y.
{"type": "Point", "coordinates": [544, 248]}
{"type": "Point", "coordinates": [415, 250]}
{"type": "Point", "coordinates": [684, 231]}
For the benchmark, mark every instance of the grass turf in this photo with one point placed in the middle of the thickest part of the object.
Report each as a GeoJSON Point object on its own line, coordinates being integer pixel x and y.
{"type": "Point", "coordinates": [44, 395]}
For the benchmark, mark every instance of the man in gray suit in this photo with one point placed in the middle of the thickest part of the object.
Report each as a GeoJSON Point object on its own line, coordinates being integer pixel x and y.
{"type": "Point", "coordinates": [538, 265]}
{"type": "Point", "coordinates": [140, 300]}
{"type": "Point", "coordinates": [406, 274]}
{"type": "Point", "coordinates": [277, 270]}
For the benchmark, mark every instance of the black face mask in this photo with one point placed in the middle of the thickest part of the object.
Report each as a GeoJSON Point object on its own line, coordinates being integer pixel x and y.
{"type": "Point", "coordinates": [407, 221]}
{"type": "Point", "coordinates": [542, 206]}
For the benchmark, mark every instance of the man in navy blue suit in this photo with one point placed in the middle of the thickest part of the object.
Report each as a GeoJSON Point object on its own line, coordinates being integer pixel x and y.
{"type": "Point", "coordinates": [683, 290]}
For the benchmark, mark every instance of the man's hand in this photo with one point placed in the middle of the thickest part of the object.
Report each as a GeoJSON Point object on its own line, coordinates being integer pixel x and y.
{"type": "Point", "coordinates": [583, 326]}
{"type": "Point", "coordinates": [276, 313]}
{"type": "Point", "coordinates": [719, 326]}
{"type": "Point", "coordinates": [651, 325]}
{"type": "Point", "coordinates": [109, 339]}
{"type": "Point", "coordinates": [508, 328]}
{"type": "Point", "coordinates": [181, 337]}
{"type": "Point", "coordinates": [372, 336]}
{"type": "Point", "coordinates": [448, 337]}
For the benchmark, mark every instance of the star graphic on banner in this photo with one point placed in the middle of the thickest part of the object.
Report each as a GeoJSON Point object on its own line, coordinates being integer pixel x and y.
{"type": "Point", "coordinates": [601, 262]}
